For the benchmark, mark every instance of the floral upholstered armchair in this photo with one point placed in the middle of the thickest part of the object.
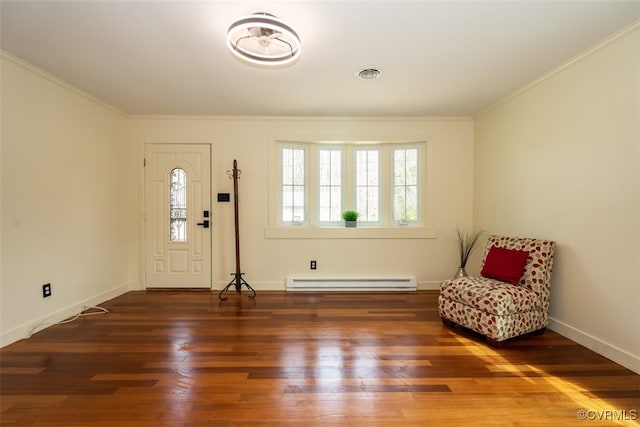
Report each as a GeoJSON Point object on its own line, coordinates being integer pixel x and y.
{"type": "Point", "coordinates": [510, 297]}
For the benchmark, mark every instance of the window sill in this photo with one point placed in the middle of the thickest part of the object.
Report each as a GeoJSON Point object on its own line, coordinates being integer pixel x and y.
{"type": "Point", "coordinates": [349, 233]}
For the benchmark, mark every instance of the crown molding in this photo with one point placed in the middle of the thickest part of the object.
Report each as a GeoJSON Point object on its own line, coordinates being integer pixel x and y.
{"type": "Point", "coordinates": [579, 57]}
{"type": "Point", "coordinates": [59, 82]}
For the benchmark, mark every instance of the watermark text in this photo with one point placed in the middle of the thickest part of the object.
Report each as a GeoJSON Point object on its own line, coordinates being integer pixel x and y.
{"type": "Point", "coordinates": [607, 414]}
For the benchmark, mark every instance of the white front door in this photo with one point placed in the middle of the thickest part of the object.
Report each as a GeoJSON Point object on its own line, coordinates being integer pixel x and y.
{"type": "Point", "coordinates": [177, 214]}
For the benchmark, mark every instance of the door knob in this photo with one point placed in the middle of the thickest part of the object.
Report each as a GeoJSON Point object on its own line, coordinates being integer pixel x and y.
{"type": "Point", "coordinates": [204, 224]}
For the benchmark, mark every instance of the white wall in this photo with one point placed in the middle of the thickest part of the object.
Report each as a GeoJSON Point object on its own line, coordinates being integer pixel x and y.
{"type": "Point", "coordinates": [266, 262]}
{"type": "Point", "coordinates": [560, 161]}
{"type": "Point", "coordinates": [65, 218]}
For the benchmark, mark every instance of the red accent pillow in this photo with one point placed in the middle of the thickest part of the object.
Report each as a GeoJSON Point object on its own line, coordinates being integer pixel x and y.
{"type": "Point", "coordinates": [506, 265]}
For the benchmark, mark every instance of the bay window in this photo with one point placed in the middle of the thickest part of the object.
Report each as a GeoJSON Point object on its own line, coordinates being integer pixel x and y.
{"type": "Point", "coordinates": [382, 182]}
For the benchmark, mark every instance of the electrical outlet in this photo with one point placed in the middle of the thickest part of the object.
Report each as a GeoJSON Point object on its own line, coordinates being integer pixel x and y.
{"type": "Point", "coordinates": [312, 264]}
{"type": "Point", "coordinates": [46, 290]}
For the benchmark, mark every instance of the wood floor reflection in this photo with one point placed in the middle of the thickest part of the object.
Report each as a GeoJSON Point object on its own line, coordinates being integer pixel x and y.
{"type": "Point", "coordinates": [301, 359]}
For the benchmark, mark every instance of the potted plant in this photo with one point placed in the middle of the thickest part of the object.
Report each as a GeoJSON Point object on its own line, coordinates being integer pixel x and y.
{"type": "Point", "coordinates": [350, 218]}
{"type": "Point", "coordinates": [467, 241]}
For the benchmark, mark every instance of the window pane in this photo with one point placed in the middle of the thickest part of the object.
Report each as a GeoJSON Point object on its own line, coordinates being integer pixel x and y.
{"type": "Point", "coordinates": [367, 184]}
{"type": "Point", "coordinates": [373, 168]}
{"type": "Point", "coordinates": [361, 167]}
{"type": "Point", "coordinates": [324, 167]}
{"type": "Point", "coordinates": [374, 204]}
{"type": "Point", "coordinates": [293, 182]}
{"type": "Point", "coordinates": [398, 204]}
{"type": "Point", "coordinates": [399, 167]}
{"type": "Point", "coordinates": [405, 188]}
{"type": "Point", "coordinates": [411, 167]}
{"type": "Point", "coordinates": [411, 204]}
{"type": "Point", "coordinates": [336, 204]}
{"type": "Point", "coordinates": [287, 167]}
{"type": "Point", "coordinates": [362, 195]}
{"type": "Point", "coordinates": [287, 196]}
{"type": "Point", "coordinates": [330, 184]}
{"type": "Point", "coordinates": [178, 205]}
{"type": "Point", "coordinates": [325, 203]}
{"type": "Point", "coordinates": [298, 160]}
{"type": "Point", "coordinates": [298, 203]}
{"type": "Point", "coordinates": [336, 168]}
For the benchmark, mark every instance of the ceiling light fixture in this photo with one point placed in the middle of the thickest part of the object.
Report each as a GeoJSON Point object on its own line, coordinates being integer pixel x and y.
{"type": "Point", "coordinates": [263, 39]}
{"type": "Point", "coordinates": [369, 74]}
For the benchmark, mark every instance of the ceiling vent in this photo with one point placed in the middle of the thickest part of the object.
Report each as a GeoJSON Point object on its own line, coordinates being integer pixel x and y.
{"type": "Point", "coordinates": [369, 74]}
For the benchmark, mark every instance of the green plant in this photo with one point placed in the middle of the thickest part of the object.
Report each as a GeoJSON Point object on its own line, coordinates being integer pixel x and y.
{"type": "Point", "coordinates": [467, 241]}
{"type": "Point", "coordinates": [350, 215]}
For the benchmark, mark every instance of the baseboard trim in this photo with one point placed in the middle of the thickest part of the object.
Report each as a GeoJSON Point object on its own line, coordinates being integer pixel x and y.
{"type": "Point", "coordinates": [26, 329]}
{"type": "Point", "coordinates": [429, 285]}
{"type": "Point", "coordinates": [423, 285]}
{"type": "Point", "coordinates": [611, 352]}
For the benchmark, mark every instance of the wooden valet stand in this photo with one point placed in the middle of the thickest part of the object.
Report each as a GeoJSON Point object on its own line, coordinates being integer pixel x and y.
{"type": "Point", "coordinates": [237, 281]}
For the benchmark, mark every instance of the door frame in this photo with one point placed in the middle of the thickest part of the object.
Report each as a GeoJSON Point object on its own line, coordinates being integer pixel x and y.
{"type": "Point", "coordinates": [142, 242]}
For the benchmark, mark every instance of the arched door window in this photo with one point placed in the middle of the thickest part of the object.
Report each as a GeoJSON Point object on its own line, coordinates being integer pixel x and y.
{"type": "Point", "coordinates": [178, 205]}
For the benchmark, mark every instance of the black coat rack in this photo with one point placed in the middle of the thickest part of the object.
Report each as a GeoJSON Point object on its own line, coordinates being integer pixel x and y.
{"type": "Point", "coordinates": [237, 280]}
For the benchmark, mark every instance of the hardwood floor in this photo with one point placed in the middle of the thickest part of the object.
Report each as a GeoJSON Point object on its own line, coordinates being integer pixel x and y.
{"type": "Point", "coordinates": [289, 359]}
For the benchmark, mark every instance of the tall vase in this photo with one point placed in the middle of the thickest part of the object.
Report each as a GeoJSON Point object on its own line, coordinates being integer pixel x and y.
{"type": "Point", "coordinates": [460, 273]}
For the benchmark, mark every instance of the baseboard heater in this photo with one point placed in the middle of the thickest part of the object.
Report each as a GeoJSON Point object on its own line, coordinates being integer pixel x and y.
{"type": "Point", "coordinates": [352, 284]}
